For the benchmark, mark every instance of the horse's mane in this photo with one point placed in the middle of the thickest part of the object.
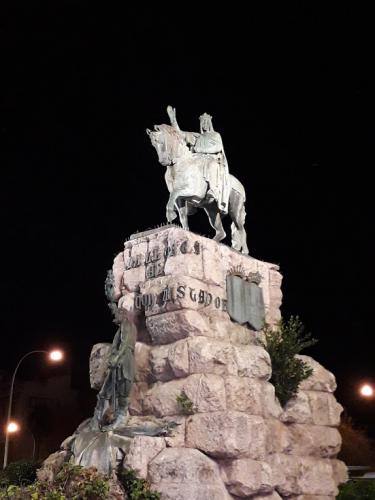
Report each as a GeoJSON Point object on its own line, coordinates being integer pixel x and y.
{"type": "Point", "coordinates": [169, 130]}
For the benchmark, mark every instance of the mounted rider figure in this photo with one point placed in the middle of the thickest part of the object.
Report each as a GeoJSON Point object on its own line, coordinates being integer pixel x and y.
{"type": "Point", "coordinates": [208, 146]}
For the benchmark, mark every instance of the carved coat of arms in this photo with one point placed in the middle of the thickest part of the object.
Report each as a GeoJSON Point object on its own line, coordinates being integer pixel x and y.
{"type": "Point", "coordinates": [245, 300]}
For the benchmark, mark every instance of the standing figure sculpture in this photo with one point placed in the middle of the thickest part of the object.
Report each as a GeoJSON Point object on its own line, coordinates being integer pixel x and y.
{"type": "Point", "coordinates": [197, 176]}
{"type": "Point", "coordinates": [113, 398]}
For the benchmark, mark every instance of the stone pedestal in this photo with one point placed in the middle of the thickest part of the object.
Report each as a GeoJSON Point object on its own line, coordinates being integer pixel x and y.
{"type": "Point", "coordinates": [237, 441]}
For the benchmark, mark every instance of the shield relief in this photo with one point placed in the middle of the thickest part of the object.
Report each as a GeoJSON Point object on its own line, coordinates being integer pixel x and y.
{"type": "Point", "coordinates": [245, 302]}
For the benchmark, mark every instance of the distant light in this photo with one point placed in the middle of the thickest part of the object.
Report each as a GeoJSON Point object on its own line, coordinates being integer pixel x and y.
{"type": "Point", "coordinates": [367, 391]}
{"type": "Point", "coordinates": [56, 355]}
{"type": "Point", "coordinates": [12, 427]}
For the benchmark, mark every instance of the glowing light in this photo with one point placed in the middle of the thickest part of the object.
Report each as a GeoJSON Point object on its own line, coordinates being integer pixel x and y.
{"type": "Point", "coordinates": [12, 427]}
{"type": "Point", "coordinates": [56, 355]}
{"type": "Point", "coordinates": [367, 391]}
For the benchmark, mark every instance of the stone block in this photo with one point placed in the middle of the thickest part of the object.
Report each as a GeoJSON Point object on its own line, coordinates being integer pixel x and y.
{"type": "Point", "coordinates": [245, 477]}
{"type": "Point", "coordinates": [295, 475]}
{"type": "Point", "coordinates": [211, 356]}
{"type": "Point", "coordinates": [207, 392]}
{"type": "Point", "coordinates": [253, 361]}
{"type": "Point", "coordinates": [176, 436]}
{"type": "Point", "coordinates": [340, 471]}
{"type": "Point", "coordinates": [186, 474]}
{"type": "Point", "coordinates": [325, 409]}
{"type": "Point", "coordinates": [314, 440]}
{"type": "Point", "coordinates": [297, 410]}
{"type": "Point", "coordinates": [273, 496]}
{"type": "Point", "coordinates": [227, 434]}
{"type": "Point", "coordinates": [137, 395]}
{"type": "Point", "coordinates": [252, 396]}
{"type": "Point", "coordinates": [278, 437]}
{"type": "Point", "coordinates": [169, 327]}
{"type": "Point", "coordinates": [142, 362]}
{"type": "Point", "coordinates": [141, 451]}
{"type": "Point", "coordinates": [320, 380]}
{"type": "Point", "coordinates": [118, 269]}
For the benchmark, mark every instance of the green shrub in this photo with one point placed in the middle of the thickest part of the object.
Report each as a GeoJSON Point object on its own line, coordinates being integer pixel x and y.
{"type": "Point", "coordinates": [19, 473]}
{"type": "Point", "coordinates": [78, 483]}
{"type": "Point", "coordinates": [72, 482]}
{"type": "Point", "coordinates": [186, 405]}
{"type": "Point", "coordinates": [282, 345]}
{"type": "Point", "coordinates": [364, 489]}
{"type": "Point", "coordinates": [135, 488]}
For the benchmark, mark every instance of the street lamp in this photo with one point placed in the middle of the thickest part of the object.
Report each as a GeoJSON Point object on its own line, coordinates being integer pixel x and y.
{"type": "Point", "coordinates": [54, 356]}
{"type": "Point", "coordinates": [366, 390]}
{"type": "Point", "coordinates": [12, 427]}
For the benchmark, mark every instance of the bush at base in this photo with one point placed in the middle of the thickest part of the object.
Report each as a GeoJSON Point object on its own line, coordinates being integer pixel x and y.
{"type": "Point", "coordinates": [20, 473]}
{"type": "Point", "coordinates": [78, 483]}
{"type": "Point", "coordinates": [363, 489]}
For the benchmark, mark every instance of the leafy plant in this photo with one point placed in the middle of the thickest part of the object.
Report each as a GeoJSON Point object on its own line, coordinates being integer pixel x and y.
{"type": "Point", "coordinates": [364, 489]}
{"type": "Point", "coordinates": [186, 405]}
{"type": "Point", "coordinates": [19, 473]}
{"type": "Point", "coordinates": [282, 345]}
{"type": "Point", "coordinates": [135, 488]}
{"type": "Point", "coordinates": [72, 482]}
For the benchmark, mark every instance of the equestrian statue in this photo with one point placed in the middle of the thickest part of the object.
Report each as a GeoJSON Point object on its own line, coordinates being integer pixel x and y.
{"type": "Point", "coordinates": [197, 176]}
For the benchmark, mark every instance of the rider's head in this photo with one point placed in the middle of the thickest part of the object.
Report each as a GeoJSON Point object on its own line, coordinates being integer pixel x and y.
{"type": "Point", "coordinates": [206, 123]}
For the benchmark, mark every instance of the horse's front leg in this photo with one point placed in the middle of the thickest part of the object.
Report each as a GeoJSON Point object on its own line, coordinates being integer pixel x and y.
{"type": "Point", "coordinates": [183, 211]}
{"type": "Point", "coordinates": [215, 221]}
{"type": "Point", "coordinates": [171, 212]}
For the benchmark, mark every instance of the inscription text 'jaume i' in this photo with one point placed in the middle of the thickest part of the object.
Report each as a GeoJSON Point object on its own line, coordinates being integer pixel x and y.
{"type": "Point", "coordinates": [158, 253]}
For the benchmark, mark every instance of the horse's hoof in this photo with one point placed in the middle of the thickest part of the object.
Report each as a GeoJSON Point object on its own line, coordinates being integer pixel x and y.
{"type": "Point", "coordinates": [219, 237]}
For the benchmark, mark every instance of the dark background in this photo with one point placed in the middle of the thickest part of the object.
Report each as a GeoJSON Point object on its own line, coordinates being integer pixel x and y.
{"type": "Point", "coordinates": [291, 91]}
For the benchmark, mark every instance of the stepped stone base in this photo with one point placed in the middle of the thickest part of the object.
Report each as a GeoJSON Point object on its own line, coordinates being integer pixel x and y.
{"type": "Point", "coordinates": [238, 442]}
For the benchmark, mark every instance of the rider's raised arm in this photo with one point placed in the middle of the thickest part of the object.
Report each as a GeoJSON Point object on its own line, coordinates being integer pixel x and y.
{"type": "Point", "coordinates": [189, 137]}
{"type": "Point", "coordinates": [172, 116]}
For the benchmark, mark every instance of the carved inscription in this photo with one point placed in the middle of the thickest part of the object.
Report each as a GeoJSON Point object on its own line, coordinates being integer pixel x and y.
{"type": "Point", "coordinates": [154, 259]}
{"type": "Point", "coordinates": [170, 294]}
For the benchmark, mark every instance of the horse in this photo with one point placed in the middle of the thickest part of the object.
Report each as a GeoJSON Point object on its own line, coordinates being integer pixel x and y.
{"type": "Point", "coordinates": [189, 186]}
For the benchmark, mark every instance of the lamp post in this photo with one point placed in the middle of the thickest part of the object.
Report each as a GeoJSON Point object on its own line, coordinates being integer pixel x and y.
{"type": "Point", "coordinates": [54, 356]}
{"type": "Point", "coordinates": [366, 390]}
{"type": "Point", "coordinates": [34, 446]}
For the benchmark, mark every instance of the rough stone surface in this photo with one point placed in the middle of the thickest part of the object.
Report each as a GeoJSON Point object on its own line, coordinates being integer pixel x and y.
{"type": "Point", "coordinates": [340, 471]}
{"type": "Point", "coordinates": [297, 410]}
{"type": "Point", "coordinates": [141, 451]}
{"type": "Point", "coordinates": [176, 325]}
{"type": "Point", "coordinates": [186, 474]}
{"type": "Point", "coordinates": [273, 496]}
{"type": "Point", "coordinates": [320, 380]}
{"type": "Point", "coordinates": [325, 409]}
{"type": "Point", "coordinates": [245, 477]}
{"type": "Point", "coordinates": [314, 440]}
{"type": "Point", "coordinates": [278, 437]}
{"type": "Point", "coordinates": [207, 392]}
{"type": "Point", "coordinates": [142, 361]}
{"type": "Point", "coordinates": [52, 465]}
{"type": "Point", "coordinates": [252, 396]}
{"type": "Point", "coordinates": [302, 475]}
{"type": "Point", "coordinates": [229, 434]}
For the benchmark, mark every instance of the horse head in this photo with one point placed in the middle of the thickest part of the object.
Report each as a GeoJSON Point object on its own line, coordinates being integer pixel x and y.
{"type": "Point", "coordinates": [169, 144]}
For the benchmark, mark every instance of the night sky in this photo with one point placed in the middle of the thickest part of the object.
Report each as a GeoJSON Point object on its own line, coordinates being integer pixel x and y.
{"type": "Point", "coordinates": [290, 89]}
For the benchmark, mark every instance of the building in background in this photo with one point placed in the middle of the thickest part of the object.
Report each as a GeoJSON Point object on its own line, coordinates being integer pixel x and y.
{"type": "Point", "coordinates": [47, 409]}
